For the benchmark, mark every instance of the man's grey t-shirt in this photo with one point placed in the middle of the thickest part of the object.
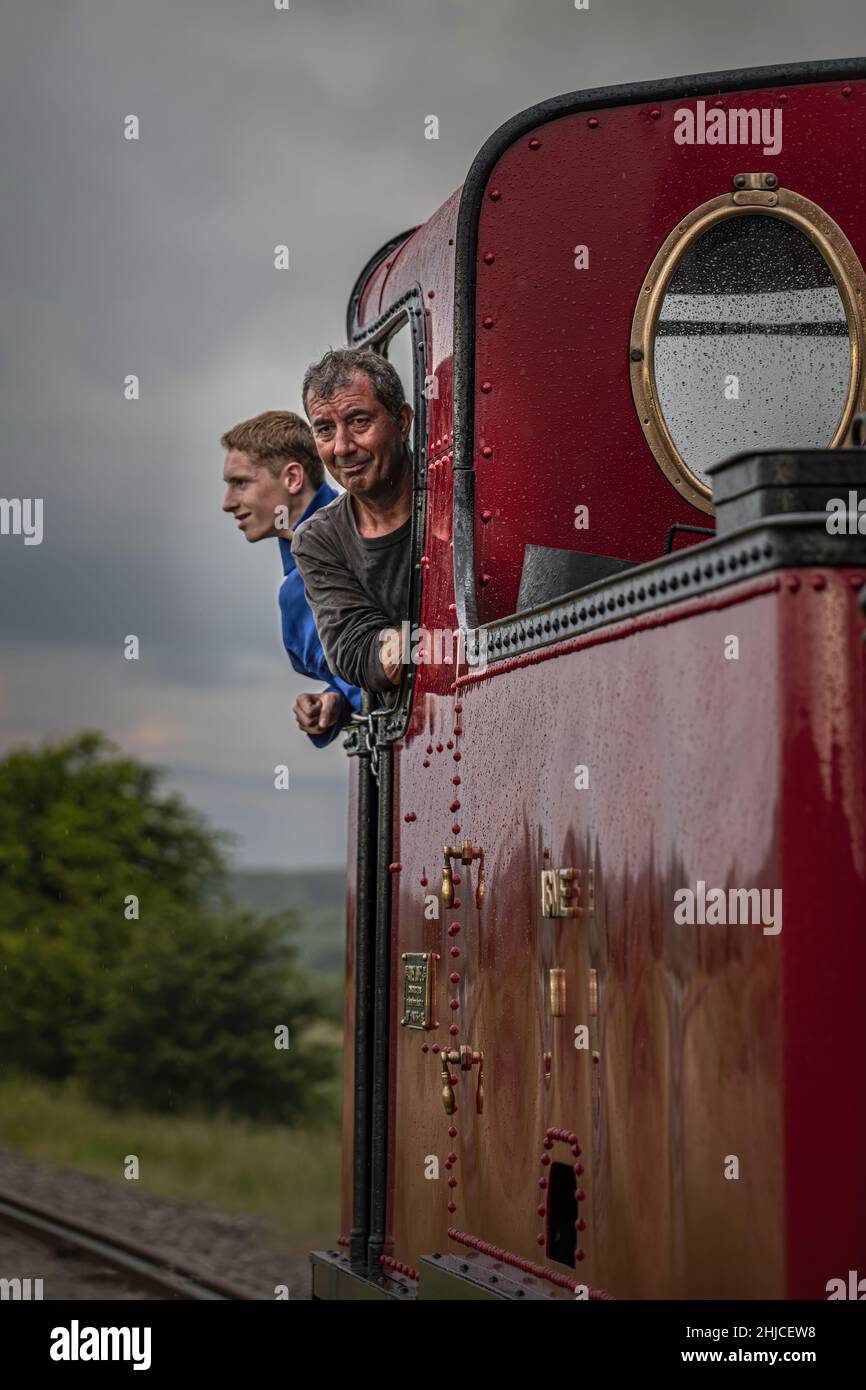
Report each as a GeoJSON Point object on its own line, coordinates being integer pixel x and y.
{"type": "Point", "coordinates": [356, 588]}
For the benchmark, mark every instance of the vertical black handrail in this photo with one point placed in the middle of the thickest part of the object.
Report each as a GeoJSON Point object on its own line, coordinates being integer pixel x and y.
{"type": "Point", "coordinates": [365, 917]}
{"type": "Point", "coordinates": [381, 1022]}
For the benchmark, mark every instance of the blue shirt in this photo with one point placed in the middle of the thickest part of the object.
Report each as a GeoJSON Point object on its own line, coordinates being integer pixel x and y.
{"type": "Point", "coordinates": [300, 638]}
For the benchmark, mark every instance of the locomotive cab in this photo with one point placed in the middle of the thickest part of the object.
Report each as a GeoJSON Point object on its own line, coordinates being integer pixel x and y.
{"type": "Point", "coordinates": [634, 341]}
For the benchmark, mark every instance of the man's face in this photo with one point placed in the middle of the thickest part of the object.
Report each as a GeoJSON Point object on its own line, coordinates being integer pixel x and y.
{"type": "Point", "coordinates": [253, 495]}
{"type": "Point", "coordinates": [359, 443]}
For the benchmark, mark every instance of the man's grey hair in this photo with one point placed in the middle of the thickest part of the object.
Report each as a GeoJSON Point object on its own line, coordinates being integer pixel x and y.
{"type": "Point", "coordinates": [339, 365]}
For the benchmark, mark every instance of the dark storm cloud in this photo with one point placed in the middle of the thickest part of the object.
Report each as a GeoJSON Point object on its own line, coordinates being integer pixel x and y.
{"type": "Point", "coordinates": [155, 257]}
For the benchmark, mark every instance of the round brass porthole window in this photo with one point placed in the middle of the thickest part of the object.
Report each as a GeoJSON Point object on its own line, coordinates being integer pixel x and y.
{"type": "Point", "coordinates": [748, 333]}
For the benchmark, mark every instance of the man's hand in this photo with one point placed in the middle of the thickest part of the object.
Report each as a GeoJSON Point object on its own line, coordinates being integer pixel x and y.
{"type": "Point", "coordinates": [316, 713]}
{"type": "Point", "coordinates": [391, 653]}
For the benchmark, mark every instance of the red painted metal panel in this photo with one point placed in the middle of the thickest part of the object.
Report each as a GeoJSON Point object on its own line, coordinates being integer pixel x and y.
{"type": "Point", "coordinates": [559, 418]}
{"type": "Point", "coordinates": [710, 1038]}
{"type": "Point", "coordinates": [823, 820]}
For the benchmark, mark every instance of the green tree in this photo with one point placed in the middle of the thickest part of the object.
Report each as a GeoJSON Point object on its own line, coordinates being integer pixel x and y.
{"type": "Point", "coordinates": [173, 1009]}
{"type": "Point", "coordinates": [83, 827]}
{"type": "Point", "coordinates": [81, 823]}
{"type": "Point", "coordinates": [190, 1023]}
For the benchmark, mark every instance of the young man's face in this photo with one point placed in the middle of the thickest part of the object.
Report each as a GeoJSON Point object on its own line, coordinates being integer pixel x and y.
{"type": "Point", "coordinates": [253, 495]}
{"type": "Point", "coordinates": [359, 443]}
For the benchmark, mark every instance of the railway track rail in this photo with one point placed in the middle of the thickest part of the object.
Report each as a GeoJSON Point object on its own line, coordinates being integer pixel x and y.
{"type": "Point", "coordinates": [142, 1263]}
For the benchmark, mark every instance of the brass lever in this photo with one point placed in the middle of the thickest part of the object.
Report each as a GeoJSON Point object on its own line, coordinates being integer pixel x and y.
{"type": "Point", "coordinates": [448, 1091]}
{"type": "Point", "coordinates": [447, 882]}
{"type": "Point", "coordinates": [466, 1059]}
{"type": "Point", "coordinates": [465, 853]}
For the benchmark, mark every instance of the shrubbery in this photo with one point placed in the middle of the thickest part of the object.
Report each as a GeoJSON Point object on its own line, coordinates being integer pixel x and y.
{"type": "Point", "coordinates": [174, 1010]}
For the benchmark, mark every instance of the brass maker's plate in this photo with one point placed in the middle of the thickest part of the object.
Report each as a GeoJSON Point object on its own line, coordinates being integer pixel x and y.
{"type": "Point", "coordinates": [419, 968]}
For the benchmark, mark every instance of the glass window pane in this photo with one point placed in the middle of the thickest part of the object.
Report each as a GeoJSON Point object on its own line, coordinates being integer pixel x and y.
{"type": "Point", "coordinates": [752, 349]}
{"type": "Point", "coordinates": [399, 353]}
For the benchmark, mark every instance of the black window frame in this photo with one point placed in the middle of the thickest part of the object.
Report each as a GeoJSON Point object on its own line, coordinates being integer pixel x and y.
{"type": "Point", "coordinates": [409, 308]}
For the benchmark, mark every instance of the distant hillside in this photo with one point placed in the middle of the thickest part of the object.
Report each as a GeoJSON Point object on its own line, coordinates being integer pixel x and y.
{"type": "Point", "coordinates": [317, 897]}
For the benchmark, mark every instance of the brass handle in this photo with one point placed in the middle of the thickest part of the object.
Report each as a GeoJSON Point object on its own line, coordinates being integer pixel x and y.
{"type": "Point", "coordinates": [466, 1059]}
{"type": "Point", "coordinates": [447, 883]}
{"type": "Point", "coordinates": [465, 853]}
{"type": "Point", "coordinates": [448, 1090]}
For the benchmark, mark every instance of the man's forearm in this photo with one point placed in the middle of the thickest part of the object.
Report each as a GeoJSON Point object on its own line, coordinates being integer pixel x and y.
{"type": "Point", "coordinates": [352, 650]}
{"type": "Point", "coordinates": [391, 654]}
{"type": "Point", "coordinates": [350, 628]}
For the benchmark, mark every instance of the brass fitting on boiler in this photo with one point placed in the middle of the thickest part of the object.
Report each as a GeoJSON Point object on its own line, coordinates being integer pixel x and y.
{"type": "Point", "coordinates": [466, 1059]}
{"type": "Point", "coordinates": [465, 853]}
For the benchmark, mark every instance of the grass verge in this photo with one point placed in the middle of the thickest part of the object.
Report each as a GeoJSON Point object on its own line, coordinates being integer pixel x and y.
{"type": "Point", "coordinates": [291, 1178]}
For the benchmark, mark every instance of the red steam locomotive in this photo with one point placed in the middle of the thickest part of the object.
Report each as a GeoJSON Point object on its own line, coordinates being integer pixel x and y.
{"type": "Point", "coordinates": [605, 936]}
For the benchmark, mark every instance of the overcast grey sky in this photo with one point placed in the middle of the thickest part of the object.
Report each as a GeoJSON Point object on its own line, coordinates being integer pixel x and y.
{"type": "Point", "coordinates": [155, 257]}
